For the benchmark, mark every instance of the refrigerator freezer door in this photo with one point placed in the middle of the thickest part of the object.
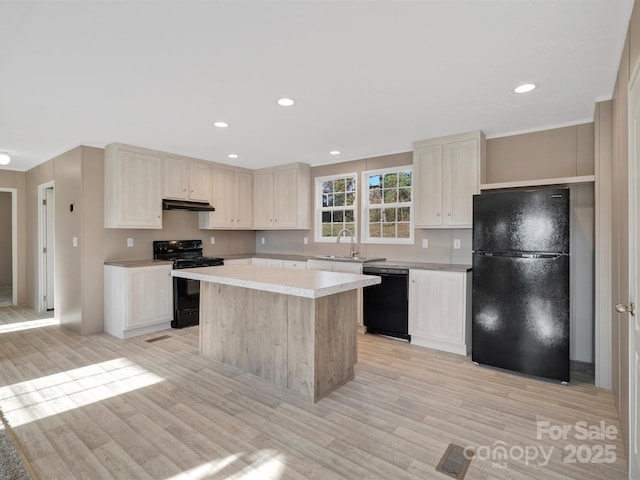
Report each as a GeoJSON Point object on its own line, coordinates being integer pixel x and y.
{"type": "Point", "coordinates": [530, 221]}
{"type": "Point", "coordinates": [520, 314]}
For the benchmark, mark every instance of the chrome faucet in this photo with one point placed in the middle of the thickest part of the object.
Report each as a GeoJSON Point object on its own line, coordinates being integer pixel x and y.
{"type": "Point", "coordinates": [352, 251]}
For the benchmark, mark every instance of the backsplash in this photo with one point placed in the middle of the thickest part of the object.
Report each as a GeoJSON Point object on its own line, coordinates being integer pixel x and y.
{"type": "Point", "coordinates": [440, 248]}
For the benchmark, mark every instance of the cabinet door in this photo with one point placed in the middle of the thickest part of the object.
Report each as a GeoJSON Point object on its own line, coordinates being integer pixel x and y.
{"type": "Point", "coordinates": [461, 182]}
{"type": "Point", "coordinates": [318, 265]}
{"type": "Point", "coordinates": [151, 296]}
{"type": "Point", "coordinates": [175, 178]}
{"type": "Point", "coordinates": [285, 198]}
{"type": "Point", "coordinates": [437, 305]}
{"type": "Point", "coordinates": [427, 164]}
{"type": "Point", "coordinates": [299, 265]}
{"type": "Point", "coordinates": [139, 179]}
{"type": "Point", "coordinates": [243, 200]}
{"type": "Point", "coordinates": [263, 200]}
{"type": "Point", "coordinates": [199, 181]}
{"type": "Point", "coordinates": [222, 198]}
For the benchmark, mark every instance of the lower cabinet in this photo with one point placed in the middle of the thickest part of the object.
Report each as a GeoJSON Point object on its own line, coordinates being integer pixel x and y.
{"type": "Point", "coordinates": [137, 300]}
{"type": "Point", "coordinates": [440, 310]}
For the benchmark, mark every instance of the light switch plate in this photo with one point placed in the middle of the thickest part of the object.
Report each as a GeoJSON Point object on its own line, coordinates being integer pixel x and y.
{"type": "Point", "coordinates": [129, 242]}
{"type": "Point", "coordinates": [213, 240]}
{"type": "Point", "coordinates": [262, 240]}
{"type": "Point", "coordinates": [74, 241]}
{"type": "Point", "coordinates": [425, 243]}
{"type": "Point", "coordinates": [456, 243]}
{"type": "Point", "coordinates": [305, 240]}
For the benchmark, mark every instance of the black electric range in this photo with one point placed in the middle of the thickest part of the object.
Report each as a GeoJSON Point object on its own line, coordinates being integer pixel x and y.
{"type": "Point", "coordinates": [186, 292]}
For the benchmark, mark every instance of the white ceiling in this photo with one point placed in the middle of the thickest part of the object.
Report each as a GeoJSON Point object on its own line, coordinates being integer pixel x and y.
{"type": "Point", "coordinates": [369, 77]}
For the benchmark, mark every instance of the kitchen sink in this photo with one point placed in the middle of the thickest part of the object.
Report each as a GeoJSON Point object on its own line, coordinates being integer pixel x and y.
{"type": "Point", "coordinates": [347, 258]}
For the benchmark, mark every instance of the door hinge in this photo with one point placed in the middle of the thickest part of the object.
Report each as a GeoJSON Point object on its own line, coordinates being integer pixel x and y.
{"type": "Point", "coordinates": [44, 201]}
{"type": "Point", "coordinates": [44, 249]}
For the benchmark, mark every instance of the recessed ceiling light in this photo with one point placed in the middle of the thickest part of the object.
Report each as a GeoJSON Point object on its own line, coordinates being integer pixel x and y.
{"type": "Point", "coordinates": [5, 159]}
{"type": "Point", "coordinates": [524, 88]}
{"type": "Point", "coordinates": [221, 124]}
{"type": "Point", "coordinates": [285, 102]}
{"type": "Point", "coordinates": [232, 155]}
{"type": "Point", "coordinates": [334, 152]}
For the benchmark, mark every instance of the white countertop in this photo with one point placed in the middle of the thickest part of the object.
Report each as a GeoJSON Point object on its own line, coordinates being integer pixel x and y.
{"type": "Point", "coordinates": [300, 283]}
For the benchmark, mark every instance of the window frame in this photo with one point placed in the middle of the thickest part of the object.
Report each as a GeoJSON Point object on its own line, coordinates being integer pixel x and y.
{"type": "Point", "coordinates": [318, 208]}
{"type": "Point", "coordinates": [364, 224]}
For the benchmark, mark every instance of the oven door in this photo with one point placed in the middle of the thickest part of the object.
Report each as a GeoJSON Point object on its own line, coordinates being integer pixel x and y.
{"type": "Point", "coordinates": [186, 302]}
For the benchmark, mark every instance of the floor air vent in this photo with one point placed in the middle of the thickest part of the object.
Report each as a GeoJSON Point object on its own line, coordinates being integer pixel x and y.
{"type": "Point", "coordinates": [157, 339]}
{"type": "Point", "coordinates": [454, 462]}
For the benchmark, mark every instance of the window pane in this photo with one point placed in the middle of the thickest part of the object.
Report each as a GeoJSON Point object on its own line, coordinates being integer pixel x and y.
{"type": "Point", "coordinates": [375, 181]}
{"type": "Point", "coordinates": [326, 217]}
{"type": "Point", "coordinates": [348, 216]}
{"type": "Point", "coordinates": [338, 216]}
{"type": "Point", "coordinates": [327, 187]}
{"type": "Point", "coordinates": [375, 196]}
{"type": "Point", "coordinates": [389, 215]}
{"type": "Point", "coordinates": [404, 194]}
{"type": "Point", "coordinates": [404, 230]}
{"type": "Point", "coordinates": [351, 184]}
{"type": "Point", "coordinates": [375, 215]}
{"type": "Point", "coordinates": [351, 227]}
{"type": "Point", "coordinates": [374, 230]}
{"type": "Point", "coordinates": [339, 185]}
{"type": "Point", "coordinates": [351, 199]}
{"type": "Point", "coordinates": [339, 199]}
{"type": "Point", "coordinates": [326, 229]}
{"type": "Point", "coordinates": [389, 230]}
{"type": "Point", "coordinates": [404, 214]}
{"type": "Point", "coordinates": [390, 195]}
{"type": "Point", "coordinates": [391, 180]}
{"type": "Point", "coordinates": [404, 179]}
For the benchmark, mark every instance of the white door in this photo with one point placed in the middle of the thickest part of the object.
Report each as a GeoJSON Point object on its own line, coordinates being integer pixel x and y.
{"type": "Point", "coordinates": [634, 283]}
{"type": "Point", "coordinates": [48, 248]}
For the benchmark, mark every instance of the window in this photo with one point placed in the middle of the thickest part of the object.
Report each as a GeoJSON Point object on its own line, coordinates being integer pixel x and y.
{"type": "Point", "coordinates": [335, 209]}
{"type": "Point", "coordinates": [386, 206]}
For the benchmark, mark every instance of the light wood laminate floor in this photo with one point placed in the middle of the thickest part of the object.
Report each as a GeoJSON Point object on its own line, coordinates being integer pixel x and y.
{"type": "Point", "coordinates": [96, 407]}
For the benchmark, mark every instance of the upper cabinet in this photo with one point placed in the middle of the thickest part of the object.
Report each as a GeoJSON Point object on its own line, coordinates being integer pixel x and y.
{"type": "Point", "coordinates": [232, 199]}
{"type": "Point", "coordinates": [185, 179]}
{"type": "Point", "coordinates": [133, 187]}
{"type": "Point", "coordinates": [446, 176]}
{"type": "Point", "coordinates": [281, 197]}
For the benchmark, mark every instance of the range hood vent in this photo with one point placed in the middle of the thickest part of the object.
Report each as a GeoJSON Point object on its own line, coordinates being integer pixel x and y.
{"type": "Point", "coordinates": [189, 206]}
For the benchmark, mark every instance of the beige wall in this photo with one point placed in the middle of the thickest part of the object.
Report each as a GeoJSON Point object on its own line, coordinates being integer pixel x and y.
{"type": "Point", "coordinates": [6, 277]}
{"type": "Point", "coordinates": [555, 153]}
{"type": "Point", "coordinates": [16, 180]}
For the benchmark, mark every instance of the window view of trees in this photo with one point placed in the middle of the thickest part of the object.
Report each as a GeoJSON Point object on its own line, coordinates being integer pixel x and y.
{"type": "Point", "coordinates": [389, 204]}
{"type": "Point", "coordinates": [338, 205]}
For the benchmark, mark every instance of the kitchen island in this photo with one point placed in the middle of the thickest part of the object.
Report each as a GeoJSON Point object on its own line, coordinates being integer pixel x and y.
{"type": "Point", "coordinates": [294, 328]}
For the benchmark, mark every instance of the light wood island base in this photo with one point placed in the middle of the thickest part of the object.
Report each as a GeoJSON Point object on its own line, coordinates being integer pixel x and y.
{"type": "Point", "coordinates": [306, 345]}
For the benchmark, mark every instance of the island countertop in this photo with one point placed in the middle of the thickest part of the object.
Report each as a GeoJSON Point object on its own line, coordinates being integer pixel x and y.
{"type": "Point", "coordinates": [299, 283]}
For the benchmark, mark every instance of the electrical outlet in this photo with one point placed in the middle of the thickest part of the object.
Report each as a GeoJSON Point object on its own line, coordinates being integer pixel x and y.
{"type": "Point", "coordinates": [425, 243]}
{"type": "Point", "coordinates": [129, 242]}
{"type": "Point", "coordinates": [305, 240]}
{"type": "Point", "coordinates": [262, 240]}
{"type": "Point", "coordinates": [456, 243]}
{"type": "Point", "coordinates": [74, 241]}
{"type": "Point", "coordinates": [213, 240]}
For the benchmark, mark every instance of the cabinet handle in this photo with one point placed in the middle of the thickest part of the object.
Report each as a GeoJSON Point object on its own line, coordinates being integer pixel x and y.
{"type": "Point", "coordinates": [437, 214]}
{"type": "Point", "coordinates": [448, 214]}
{"type": "Point", "coordinates": [276, 219]}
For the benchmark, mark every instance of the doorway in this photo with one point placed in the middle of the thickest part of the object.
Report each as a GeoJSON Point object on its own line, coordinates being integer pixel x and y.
{"type": "Point", "coordinates": [46, 246]}
{"type": "Point", "coordinates": [8, 235]}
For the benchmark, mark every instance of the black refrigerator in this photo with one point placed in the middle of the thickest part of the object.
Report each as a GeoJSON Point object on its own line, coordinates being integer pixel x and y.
{"type": "Point", "coordinates": [520, 293]}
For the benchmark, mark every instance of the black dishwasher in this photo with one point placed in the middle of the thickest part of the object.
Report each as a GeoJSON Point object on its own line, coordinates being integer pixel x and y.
{"type": "Point", "coordinates": [386, 305]}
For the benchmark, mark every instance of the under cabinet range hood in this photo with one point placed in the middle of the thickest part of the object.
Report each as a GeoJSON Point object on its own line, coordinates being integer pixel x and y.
{"type": "Point", "coordinates": [189, 206]}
